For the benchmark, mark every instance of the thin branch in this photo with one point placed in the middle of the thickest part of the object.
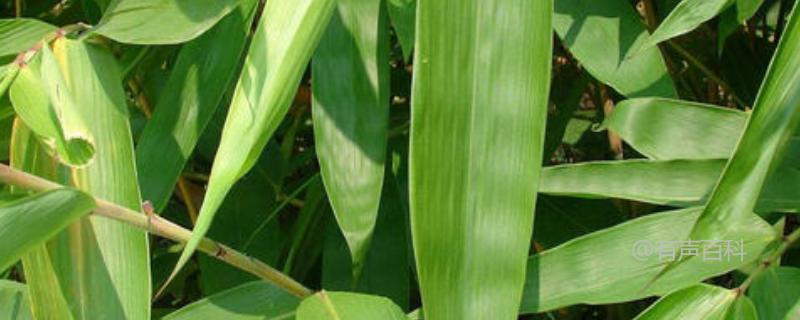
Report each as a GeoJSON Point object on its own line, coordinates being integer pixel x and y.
{"type": "Point", "coordinates": [786, 242]}
{"type": "Point", "coordinates": [705, 70]}
{"type": "Point", "coordinates": [159, 226]}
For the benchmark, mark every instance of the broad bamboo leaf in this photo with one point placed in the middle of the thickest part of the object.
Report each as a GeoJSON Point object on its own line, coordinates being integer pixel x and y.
{"type": "Point", "coordinates": [161, 21]}
{"type": "Point", "coordinates": [673, 182]}
{"type": "Point", "coordinates": [93, 80]}
{"type": "Point", "coordinates": [251, 301]}
{"type": "Point", "coordinates": [204, 69]}
{"type": "Point", "coordinates": [600, 34]}
{"type": "Point", "coordinates": [687, 15]}
{"type": "Point", "coordinates": [702, 302]}
{"type": "Point", "coordinates": [117, 285]}
{"type": "Point", "coordinates": [616, 264]}
{"type": "Point", "coordinates": [766, 136]}
{"type": "Point", "coordinates": [285, 38]}
{"type": "Point", "coordinates": [33, 220]}
{"type": "Point", "coordinates": [17, 35]}
{"type": "Point", "coordinates": [479, 103]}
{"type": "Point", "coordinates": [40, 100]}
{"type": "Point", "coordinates": [775, 292]}
{"type": "Point", "coordinates": [346, 305]}
{"type": "Point", "coordinates": [403, 15]}
{"type": "Point", "coordinates": [14, 301]}
{"type": "Point", "coordinates": [350, 87]}
{"type": "Point", "coordinates": [665, 129]}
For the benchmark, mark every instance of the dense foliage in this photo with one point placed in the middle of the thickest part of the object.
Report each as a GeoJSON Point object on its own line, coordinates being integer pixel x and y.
{"type": "Point", "coordinates": [396, 159]}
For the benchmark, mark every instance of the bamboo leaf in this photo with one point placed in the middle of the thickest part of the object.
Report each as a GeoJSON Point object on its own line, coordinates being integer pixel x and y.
{"type": "Point", "coordinates": [673, 182]}
{"type": "Point", "coordinates": [204, 69]}
{"type": "Point", "coordinates": [254, 300]}
{"type": "Point", "coordinates": [701, 302]}
{"type": "Point", "coordinates": [31, 221]}
{"type": "Point", "coordinates": [40, 100]}
{"type": "Point", "coordinates": [403, 16]}
{"type": "Point", "coordinates": [775, 291]}
{"type": "Point", "coordinates": [649, 126]}
{"type": "Point", "coordinates": [284, 41]}
{"type": "Point", "coordinates": [600, 34]}
{"type": "Point", "coordinates": [479, 103]}
{"type": "Point", "coordinates": [145, 21]}
{"type": "Point", "coordinates": [118, 283]}
{"type": "Point", "coordinates": [347, 305]}
{"type": "Point", "coordinates": [687, 15]}
{"type": "Point", "coordinates": [602, 267]}
{"type": "Point", "coordinates": [14, 301]}
{"type": "Point", "coordinates": [351, 117]}
{"type": "Point", "coordinates": [17, 35]}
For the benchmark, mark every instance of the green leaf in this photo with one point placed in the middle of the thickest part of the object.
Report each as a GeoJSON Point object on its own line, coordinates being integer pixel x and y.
{"type": "Point", "coordinates": [21, 34]}
{"type": "Point", "coordinates": [161, 21]}
{"type": "Point", "coordinates": [117, 285]}
{"type": "Point", "coordinates": [41, 101]}
{"type": "Point", "coordinates": [687, 15]}
{"type": "Point", "coordinates": [203, 72]}
{"type": "Point", "coordinates": [701, 302]}
{"type": "Point", "coordinates": [284, 41]}
{"type": "Point", "coordinates": [347, 305]}
{"type": "Point", "coordinates": [600, 34]}
{"type": "Point", "coordinates": [14, 301]}
{"type": "Point", "coordinates": [479, 103]}
{"type": "Point", "coordinates": [775, 291]}
{"type": "Point", "coordinates": [251, 301]}
{"type": "Point", "coordinates": [350, 87]}
{"type": "Point", "coordinates": [403, 15]}
{"type": "Point", "coordinates": [31, 221]}
{"type": "Point", "coordinates": [665, 129]}
{"type": "Point", "coordinates": [672, 182]}
{"type": "Point", "coordinates": [601, 267]}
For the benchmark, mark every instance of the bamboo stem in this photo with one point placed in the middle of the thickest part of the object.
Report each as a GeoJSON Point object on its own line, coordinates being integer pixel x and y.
{"type": "Point", "coordinates": [157, 225]}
